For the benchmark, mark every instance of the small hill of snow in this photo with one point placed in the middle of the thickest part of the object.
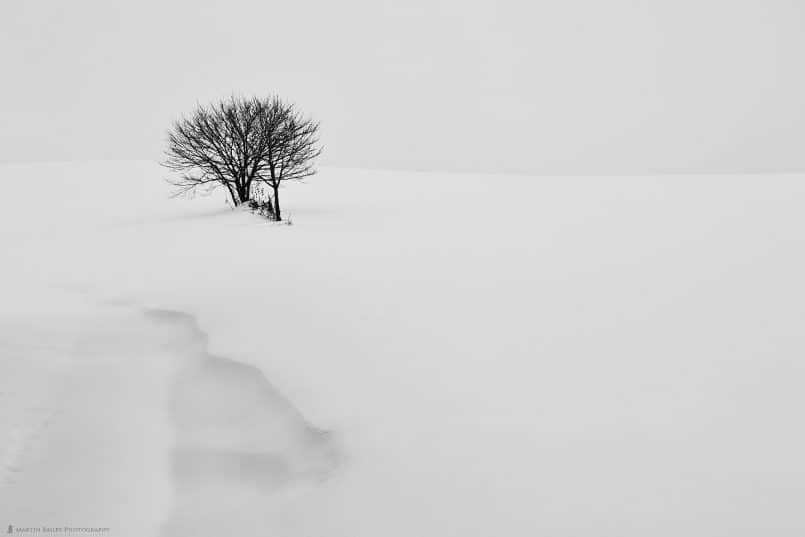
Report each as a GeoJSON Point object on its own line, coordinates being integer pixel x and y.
{"type": "Point", "coordinates": [418, 354]}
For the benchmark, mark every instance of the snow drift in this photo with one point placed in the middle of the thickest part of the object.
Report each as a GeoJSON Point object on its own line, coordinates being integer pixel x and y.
{"type": "Point", "coordinates": [419, 354]}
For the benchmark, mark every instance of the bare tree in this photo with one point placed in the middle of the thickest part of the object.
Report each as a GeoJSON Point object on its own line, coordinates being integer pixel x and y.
{"type": "Point", "coordinates": [291, 148]}
{"type": "Point", "coordinates": [238, 142]}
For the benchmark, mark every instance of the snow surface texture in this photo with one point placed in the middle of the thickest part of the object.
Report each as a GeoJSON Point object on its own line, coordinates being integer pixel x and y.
{"type": "Point", "coordinates": [419, 354]}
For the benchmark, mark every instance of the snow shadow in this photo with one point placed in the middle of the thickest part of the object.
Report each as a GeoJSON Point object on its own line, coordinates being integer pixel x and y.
{"type": "Point", "coordinates": [237, 440]}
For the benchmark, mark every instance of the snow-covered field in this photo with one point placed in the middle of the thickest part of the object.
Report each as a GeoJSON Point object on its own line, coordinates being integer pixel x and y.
{"type": "Point", "coordinates": [417, 355]}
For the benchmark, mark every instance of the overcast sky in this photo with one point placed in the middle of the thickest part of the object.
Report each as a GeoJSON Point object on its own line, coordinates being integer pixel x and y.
{"type": "Point", "coordinates": [561, 86]}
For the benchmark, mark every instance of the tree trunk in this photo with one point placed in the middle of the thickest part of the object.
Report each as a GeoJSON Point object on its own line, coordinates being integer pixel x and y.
{"type": "Point", "coordinates": [277, 214]}
{"type": "Point", "coordinates": [232, 194]}
{"type": "Point", "coordinates": [243, 193]}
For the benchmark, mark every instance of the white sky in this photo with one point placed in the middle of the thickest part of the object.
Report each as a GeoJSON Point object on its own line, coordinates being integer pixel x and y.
{"type": "Point", "coordinates": [562, 86]}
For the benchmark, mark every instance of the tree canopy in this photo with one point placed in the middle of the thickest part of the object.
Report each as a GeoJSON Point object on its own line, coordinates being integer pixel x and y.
{"type": "Point", "coordinates": [241, 142]}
